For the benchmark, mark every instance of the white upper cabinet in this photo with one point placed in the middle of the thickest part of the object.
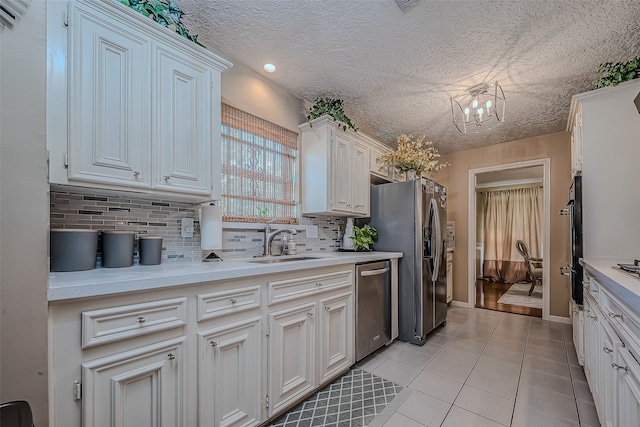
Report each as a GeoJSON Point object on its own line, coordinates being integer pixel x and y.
{"type": "Point", "coordinates": [183, 133]}
{"type": "Point", "coordinates": [142, 103]}
{"type": "Point", "coordinates": [335, 169]}
{"type": "Point", "coordinates": [109, 100]}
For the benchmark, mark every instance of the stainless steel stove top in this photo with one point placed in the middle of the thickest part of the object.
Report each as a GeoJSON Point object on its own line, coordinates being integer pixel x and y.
{"type": "Point", "coordinates": [632, 270]}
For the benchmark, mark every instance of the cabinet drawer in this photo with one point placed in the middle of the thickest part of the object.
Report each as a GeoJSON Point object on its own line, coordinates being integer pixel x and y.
{"type": "Point", "coordinates": [128, 321]}
{"type": "Point", "coordinates": [285, 290]}
{"type": "Point", "coordinates": [222, 303]}
{"type": "Point", "coordinates": [623, 321]}
{"type": "Point", "coordinates": [594, 288]}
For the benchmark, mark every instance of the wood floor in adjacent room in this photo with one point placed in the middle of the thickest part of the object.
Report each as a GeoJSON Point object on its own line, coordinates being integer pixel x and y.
{"type": "Point", "coordinates": [488, 293]}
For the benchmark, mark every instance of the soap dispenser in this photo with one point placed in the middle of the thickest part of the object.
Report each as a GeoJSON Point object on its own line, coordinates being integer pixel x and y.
{"type": "Point", "coordinates": [347, 242]}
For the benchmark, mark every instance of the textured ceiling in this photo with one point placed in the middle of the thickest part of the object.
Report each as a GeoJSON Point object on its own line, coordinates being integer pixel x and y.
{"type": "Point", "coordinates": [396, 71]}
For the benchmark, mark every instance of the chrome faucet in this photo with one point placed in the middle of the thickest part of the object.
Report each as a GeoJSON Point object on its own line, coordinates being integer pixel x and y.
{"type": "Point", "coordinates": [269, 235]}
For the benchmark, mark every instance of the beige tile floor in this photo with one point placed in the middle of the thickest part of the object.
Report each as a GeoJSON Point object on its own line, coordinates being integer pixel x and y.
{"type": "Point", "coordinates": [486, 368]}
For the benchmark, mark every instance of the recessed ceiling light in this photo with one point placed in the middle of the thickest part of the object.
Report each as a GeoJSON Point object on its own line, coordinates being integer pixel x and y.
{"type": "Point", "coordinates": [270, 68]}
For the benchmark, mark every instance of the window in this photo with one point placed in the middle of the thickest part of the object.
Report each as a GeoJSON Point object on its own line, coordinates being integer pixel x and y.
{"type": "Point", "coordinates": [258, 169]}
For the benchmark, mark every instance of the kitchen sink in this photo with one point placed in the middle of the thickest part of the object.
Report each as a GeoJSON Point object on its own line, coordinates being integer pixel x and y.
{"type": "Point", "coordinates": [283, 259]}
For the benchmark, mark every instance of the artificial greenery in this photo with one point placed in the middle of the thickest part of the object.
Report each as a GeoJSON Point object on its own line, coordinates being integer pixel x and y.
{"type": "Point", "coordinates": [363, 237]}
{"type": "Point", "coordinates": [165, 13]}
{"type": "Point", "coordinates": [612, 74]}
{"type": "Point", "coordinates": [332, 107]}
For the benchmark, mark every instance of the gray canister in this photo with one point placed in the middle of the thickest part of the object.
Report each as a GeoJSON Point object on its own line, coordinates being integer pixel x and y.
{"type": "Point", "coordinates": [150, 250]}
{"type": "Point", "coordinates": [73, 249]}
{"type": "Point", "coordinates": [117, 248]}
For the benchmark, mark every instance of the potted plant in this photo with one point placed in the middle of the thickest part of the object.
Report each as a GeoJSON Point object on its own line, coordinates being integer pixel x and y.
{"type": "Point", "coordinates": [363, 237]}
{"type": "Point", "coordinates": [413, 156]}
{"type": "Point", "coordinates": [612, 74]}
{"type": "Point", "coordinates": [332, 107]}
{"type": "Point", "coordinates": [164, 12]}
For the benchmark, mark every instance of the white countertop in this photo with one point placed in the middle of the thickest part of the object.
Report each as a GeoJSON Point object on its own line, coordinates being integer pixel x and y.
{"type": "Point", "coordinates": [107, 281]}
{"type": "Point", "coordinates": [625, 286]}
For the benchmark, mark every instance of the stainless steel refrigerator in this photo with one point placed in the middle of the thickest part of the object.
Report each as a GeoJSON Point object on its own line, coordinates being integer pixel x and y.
{"type": "Point", "coordinates": [411, 217]}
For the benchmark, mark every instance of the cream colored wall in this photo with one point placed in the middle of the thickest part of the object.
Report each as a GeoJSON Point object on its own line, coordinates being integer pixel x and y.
{"type": "Point", "coordinates": [456, 178]}
{"type": "Point", "coordinates": [24, 214]}
{"type": "Point", "coordinates": [249, 91]}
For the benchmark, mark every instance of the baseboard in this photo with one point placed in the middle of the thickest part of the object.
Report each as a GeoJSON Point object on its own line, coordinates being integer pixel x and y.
{"type": "Point", "coordinates": [455, 303]}
{"type": "Point", "coordinates": [560, 319]}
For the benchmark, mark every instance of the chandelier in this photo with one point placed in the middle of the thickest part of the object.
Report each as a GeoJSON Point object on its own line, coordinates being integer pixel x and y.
{"type": "Point", "coordinates": [479, 108]}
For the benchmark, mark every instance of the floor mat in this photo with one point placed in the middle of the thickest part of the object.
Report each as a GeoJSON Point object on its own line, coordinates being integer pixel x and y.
{"type": "Point", "coordinates": [517, 295]}
{"type": "Point", "coordinates": [356, 399]}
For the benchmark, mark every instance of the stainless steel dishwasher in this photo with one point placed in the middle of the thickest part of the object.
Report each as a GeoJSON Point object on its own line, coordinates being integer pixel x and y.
{"type": "Point", "coordinates": [373, 307]}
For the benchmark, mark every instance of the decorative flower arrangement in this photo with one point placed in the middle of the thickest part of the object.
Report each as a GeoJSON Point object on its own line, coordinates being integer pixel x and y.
{"type": "Point", "coordinates": [413, 155]}
{"type": "Point", "coordinates": [165, 13]}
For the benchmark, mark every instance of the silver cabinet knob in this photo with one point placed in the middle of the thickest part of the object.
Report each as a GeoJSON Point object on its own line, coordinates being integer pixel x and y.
{"type": "Point", "coordinates": [616, 367]}
{"type": "Point", "coordinates": [606, 350]}
{"type": "Point", "coordinates": [141, 320]}
{"type": "Point", "coordinates": [171, 356]}
{"type": "Point", "coordinates": [328, 308]}
{"type": "Point", "coordinates": [318, 284]}
{"type": "Point", "coordinates": [309, 314]}
{"type": "Point", "coordinates": [213, 343]}
{"type": "Point", "coordinates": [136, 174]}
{"type": "Point", "coordinates": [166, 178]}
{"type": "Point", "coordinates": [233, 301]}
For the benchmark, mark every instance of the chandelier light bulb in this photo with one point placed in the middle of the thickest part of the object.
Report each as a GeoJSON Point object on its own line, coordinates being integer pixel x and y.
{"type": "Point", "coordinates": [488, 105]}
{"type": "Point", "coordinates": [482, 104]}
{"type": "Point", "coordinates": [475, 103]}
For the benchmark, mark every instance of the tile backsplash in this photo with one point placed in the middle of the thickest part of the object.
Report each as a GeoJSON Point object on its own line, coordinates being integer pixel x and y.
{"type": "Point", "coordinates": [163, 218]}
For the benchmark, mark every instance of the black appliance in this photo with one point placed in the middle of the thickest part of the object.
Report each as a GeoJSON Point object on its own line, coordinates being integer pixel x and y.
{"type": "Point", "coordinates": [574, 212]}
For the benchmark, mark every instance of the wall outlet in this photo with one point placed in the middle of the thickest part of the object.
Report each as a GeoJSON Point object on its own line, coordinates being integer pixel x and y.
{"type": "Point", "coordinates": [186, 229]}
{"type": "Point", "coordinates": [311, 231]}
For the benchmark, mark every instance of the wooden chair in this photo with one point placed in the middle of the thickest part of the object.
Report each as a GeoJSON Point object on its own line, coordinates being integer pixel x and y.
{"type": "Point", "coordinates": [533, 265]}
{"type": "Point", "coordinates": [16, 414]}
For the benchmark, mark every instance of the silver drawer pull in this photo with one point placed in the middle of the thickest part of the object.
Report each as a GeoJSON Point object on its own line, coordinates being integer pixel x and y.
{"type": "Point", "coordinates": [213, 343]}
{"type": "Point", "coordinates": [327, 308]}
{"type": "Point", "coordinates": [606, 350]}
{"type": "Point", "coordinates": [614, 315]}
{"type": "Point", "coordinates": [616, 367]}
{"type": "Point", "coordinates": [373, 272]}
{"type": "Point", "coordinates": [318, 284]}
{"type": "Point", "coordinates": [309, 314]}
{"type": "Point", "coordinates": [141, 320]}
{"type": "Point", "coordinates": [592, 317]}
{"type": "Point", "coordinates": [233, 301]}
{"type": "Point", "coordinates": [171, 356]}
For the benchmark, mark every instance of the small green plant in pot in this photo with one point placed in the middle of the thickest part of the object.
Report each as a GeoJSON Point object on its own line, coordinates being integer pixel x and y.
{"type": "Point", "coordinates": [363, 237]}
{"type": "Point", "coordinates": [332, 107]}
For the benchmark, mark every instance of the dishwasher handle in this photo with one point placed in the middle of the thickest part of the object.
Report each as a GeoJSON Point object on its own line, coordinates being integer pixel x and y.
{"type": "Point", "coordinates": [374, 272]}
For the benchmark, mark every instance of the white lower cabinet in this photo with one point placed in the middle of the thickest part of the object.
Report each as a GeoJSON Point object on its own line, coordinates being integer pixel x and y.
{"type": "Point", "coordinates": [628, 389]}
{"type": "Point", "coordinates": [336, 340]}
{"type": "Point", "coordinates": [139, 387]}
{"type": "Point", "coordinates": [292, 345]}
{"type": "Point", "coordinates": [610, 344]}
{"type": "Point", "coordinates": [229, 374]}
{"type": "Point", "coordinates": [219, 354]}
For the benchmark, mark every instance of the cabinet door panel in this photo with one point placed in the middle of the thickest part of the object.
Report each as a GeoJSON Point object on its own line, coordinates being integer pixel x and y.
{"type": "Point", "coordinates": [109, 108]}
{"type": "Point", "coordinates": [336, 335]}
{"type": "Point", "coordinates": [360, 175]}
{"type": "Point", "coordinates": [230, 374]}
{"type": "Point", "coordinates": [610, 343]}
{"type": "Point", "coordinates": [628, 397]}
{"type": "Point", "coordinates": [291, 355]}
{"type": "Point", "coordinates": [140, 387]}
{"type": "Point", "coordinates": [341, 173]}
{"type": "Point", "coordinates": [183, 132]}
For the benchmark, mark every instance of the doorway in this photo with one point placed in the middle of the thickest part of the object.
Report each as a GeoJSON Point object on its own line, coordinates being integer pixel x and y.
{"type": "Point", "coordinates": [497, 276]}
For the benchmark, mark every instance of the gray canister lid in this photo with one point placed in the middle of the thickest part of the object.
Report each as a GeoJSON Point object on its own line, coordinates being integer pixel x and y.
{"type": "Point", "coordinates": [75, 230]}
{"type": "Point", "coordinates": [144, 236]}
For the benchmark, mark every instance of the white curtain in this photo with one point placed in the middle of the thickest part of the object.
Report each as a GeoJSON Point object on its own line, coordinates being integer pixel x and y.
{"type": "Point", "coordinates": [511, 215]}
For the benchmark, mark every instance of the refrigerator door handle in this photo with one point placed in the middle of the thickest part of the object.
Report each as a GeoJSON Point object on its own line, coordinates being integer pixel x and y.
{"type": "Point", "coordinates": [435, 239]}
